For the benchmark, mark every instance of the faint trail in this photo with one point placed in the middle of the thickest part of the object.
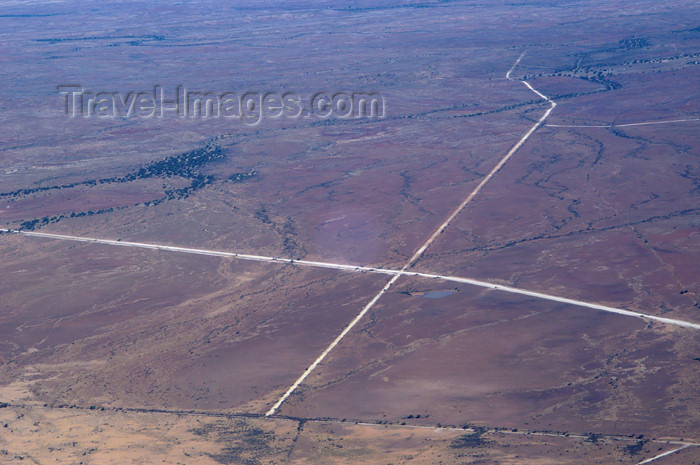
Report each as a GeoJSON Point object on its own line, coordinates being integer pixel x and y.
{"type": "Point", "coordinates": [665, 454]}
{"type": "Point", "coordinates": [609, 126]}
{"type": "Point", "coordinates": [655, 122]}
{"type": "Point", "coordinates": [512, 68]}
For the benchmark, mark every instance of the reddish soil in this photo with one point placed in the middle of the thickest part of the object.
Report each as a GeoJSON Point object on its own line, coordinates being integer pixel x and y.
{"type": "Point", "coordinates": [490, 358]}
{"type": "Point", "coordinates": [154, 329]}
{"type": "Point", "coordinates": [606, 215]}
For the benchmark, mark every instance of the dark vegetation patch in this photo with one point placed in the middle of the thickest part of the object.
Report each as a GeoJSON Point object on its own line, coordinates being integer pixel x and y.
{"type": "Point", "coordinates": [56, 40]}
{"type": "Point", "coordinates": [470, 440]}
{"type": "Point", "coordinates": [187, 166]}
{"type": "Point", "coordinates": [30, 15]}
{"type": "Point", "coordinates": [636, 448]}
{"type": "Point", "coordinates": [243, 444]}
{"type": "Point", "coordinates": [240, 177]}
{"type": "Point", "coordinates": [31, 225]}
{"type": "Point", "coordinates": [600, 78]}
{"type": "Point", "coordinates": [285, 227]}
{"type": "Point", "coordinates": [634, 43]}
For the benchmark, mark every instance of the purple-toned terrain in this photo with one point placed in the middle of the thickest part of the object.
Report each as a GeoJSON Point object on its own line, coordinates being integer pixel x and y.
{"type": "Point", "coordinates": [490, 257]}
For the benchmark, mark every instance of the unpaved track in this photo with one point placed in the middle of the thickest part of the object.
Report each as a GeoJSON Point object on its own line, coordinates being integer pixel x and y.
{"type": "Point", "coordinates": [416, 256]}
{"type": "Point", "coordinates": [404, 271]}
{"type": "Point", "coordinates": [358, 269]}
{"type": "Point", "coordinates": [653, 459]}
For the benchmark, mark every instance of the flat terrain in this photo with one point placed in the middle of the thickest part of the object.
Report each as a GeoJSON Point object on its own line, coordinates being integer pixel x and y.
{"type": "Point", "coordinates": [112, 437]}
{"type": "Point", "coordinates": [131, 355]}
{"type": "Point", "coordinates": [547, 224]}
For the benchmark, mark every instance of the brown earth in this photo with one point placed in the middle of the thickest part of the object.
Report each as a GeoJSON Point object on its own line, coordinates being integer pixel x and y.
{"type": "Point", "coordinates": [601, 215]}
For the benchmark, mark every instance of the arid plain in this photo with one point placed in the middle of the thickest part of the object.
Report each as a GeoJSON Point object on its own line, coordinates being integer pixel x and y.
{"type": "Point", "coordinates": [568, 134]}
